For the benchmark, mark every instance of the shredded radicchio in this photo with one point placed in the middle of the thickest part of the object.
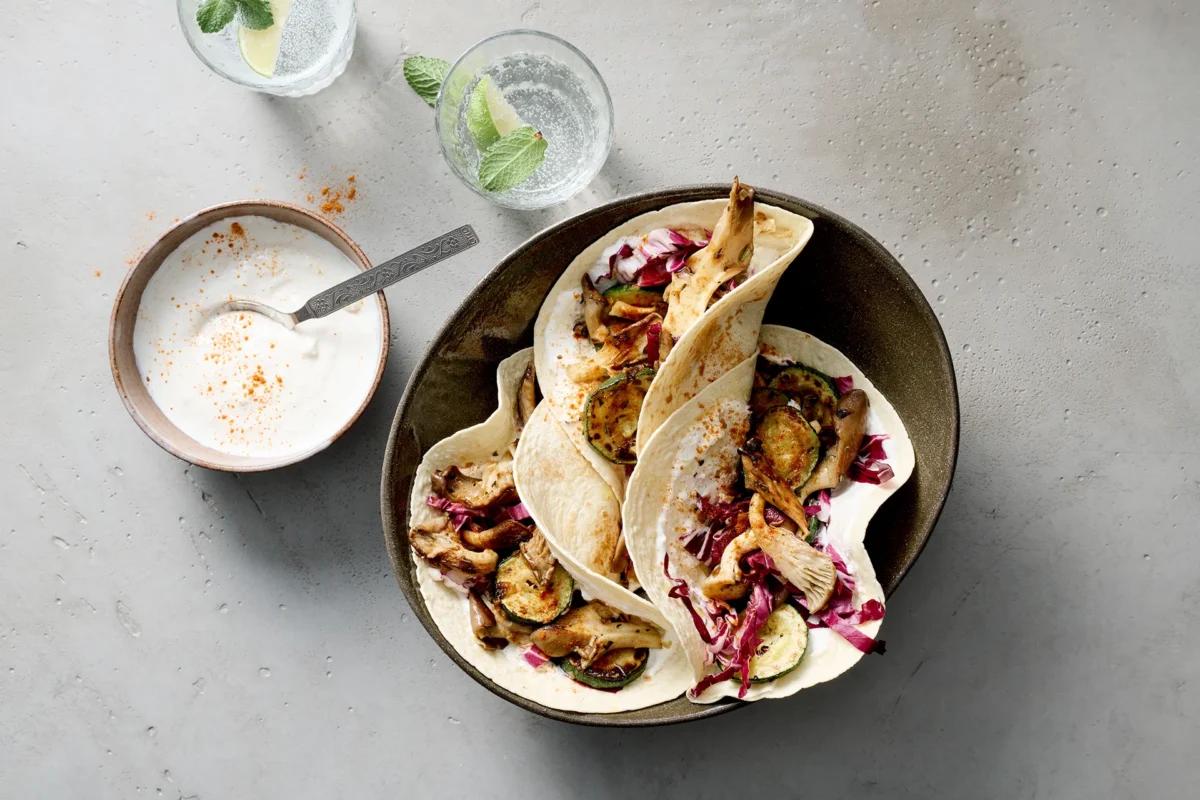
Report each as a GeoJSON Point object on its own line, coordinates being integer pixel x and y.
{"type": "Point", "coordinates": [534, 657]}
{"type": "Point", "coordinates": [820, 509]}
{"type": "Point", "coordinates": [653, 336]}
{"type": "Point", "coordinates": [733, 653]}
{"type": "Point", "coordinates": [460, 514]}
{"type": "Point", "coordinates": [773, 516]}
{"type": "Point", "coordinates": [680, 591]}
{"type": "Point", "coordinates": [716, 511]}
{"type": "Point", "coordinates": [708, 542]}
{"type": "Point", "coordinates": [870, 466]}
{"type": "Point", "coordinates": [646, 260]}
{"type": "Point", "coordinates": [517, 511]}
{"type": "Point", "coordinates": [840, 615]}
{"type": "Point", "coordinates": [844, 384]}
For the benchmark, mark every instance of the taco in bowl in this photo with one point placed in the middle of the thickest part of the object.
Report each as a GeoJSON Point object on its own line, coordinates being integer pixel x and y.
{"type": "Point", "coordinates": [746, 514]}
{"type": "Point", "coordinates": [652, 312]}
{"type": "Point", "coordinates": [500, 588]}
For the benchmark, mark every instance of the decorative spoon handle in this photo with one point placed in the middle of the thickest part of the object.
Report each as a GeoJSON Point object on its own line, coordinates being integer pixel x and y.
{"type": "Point", "coordinates": [389, 272]}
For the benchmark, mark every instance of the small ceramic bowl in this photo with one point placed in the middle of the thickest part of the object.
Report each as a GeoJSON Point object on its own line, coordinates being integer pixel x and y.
{"type": "Point", "coordinates": [134, 395]}
{"type": "Point", "coordinates": [844, 288]}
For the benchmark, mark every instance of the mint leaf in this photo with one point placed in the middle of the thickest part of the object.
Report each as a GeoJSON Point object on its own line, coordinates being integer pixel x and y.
{"type": "Point", "coordinates": [256, 14]}
{"type": "Point", "coordinates": [425, 76]}
{"type": "Point", "coordinates": [512, 159]}
{"type": "Point", "coordinates": [214, 15]}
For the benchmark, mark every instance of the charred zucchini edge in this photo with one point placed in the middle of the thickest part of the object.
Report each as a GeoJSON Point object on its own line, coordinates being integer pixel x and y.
{"type": "Point", "coordinates": [518, 594]}
{"type": "Point", "coordinates": [784, 643]}
{"type": "Point", "coordinates": [614, 446]}
{"type": "Point", "coordinates": [589, 676]}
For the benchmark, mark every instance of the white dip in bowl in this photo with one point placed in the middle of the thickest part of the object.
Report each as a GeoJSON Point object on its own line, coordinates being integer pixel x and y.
{"type": "Point", "coordinates": [238, 382]}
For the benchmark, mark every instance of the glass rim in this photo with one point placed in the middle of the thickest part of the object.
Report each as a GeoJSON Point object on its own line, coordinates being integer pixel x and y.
{"type": "Point", "coordinates": [263, 86]}
{"type": "Point", "coordinates": [437, 112]}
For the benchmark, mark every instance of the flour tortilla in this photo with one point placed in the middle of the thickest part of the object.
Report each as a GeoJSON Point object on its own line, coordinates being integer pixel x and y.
{"type": "Point", "coordinates": [667, 674]}
{"type": "Point", "coordinates": [724, 335]}
{"type": "Point", "coordinates": [696, 451]}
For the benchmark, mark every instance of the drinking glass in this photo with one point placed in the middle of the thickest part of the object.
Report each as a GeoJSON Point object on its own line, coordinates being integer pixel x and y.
{"type": "Point", "coordinates": [317, 40]}
{"type": "Point", "coordinates": [554, 88]}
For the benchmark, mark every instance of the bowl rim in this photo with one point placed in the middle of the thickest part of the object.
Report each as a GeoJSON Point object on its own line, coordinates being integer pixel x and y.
{"type": "Point", "coordinates": [670, 195]}
{"type": "Point", "coordinates": [330, 232]}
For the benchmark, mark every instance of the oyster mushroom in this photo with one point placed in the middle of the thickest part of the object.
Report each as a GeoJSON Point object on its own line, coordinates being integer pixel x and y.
{"type": "Point", "coordinates": [480, 486]}
{"type": "Point", "coordinates": [760, 478]}
{"type": "Point", "coordinates": [627, 345]}
{"type": "Point", "coordinates": [526, 396]}
{"type": "Point", "coordinates": [593, 313]}
{"type": "Point", "coordinates": [592, 630]}
{"type": "Point", "coordinates": [800, 564]}
{"type": "Point", "coordinates": [442, 547]}
{"type": "Point", "coordinates": [726, 256]}
{"type": "Point", "coordinates": [505, 536]}
{"type": "Point", "coordinates": [483, 624]}
{"type": "Point", "coordinates": [849, 423]}
{"type": "Point", "coordinates": [727, 582]}
{"type": "Point", "coordinates": [536, 552]}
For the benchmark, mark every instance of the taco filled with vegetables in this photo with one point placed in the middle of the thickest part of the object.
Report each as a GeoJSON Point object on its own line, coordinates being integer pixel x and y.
{"type": "Point", "coordinates": [651, 313]}
{"type": "Point", "coordinates": [746, 513]}
{"type": "Point", "coordinates": [528, 616]}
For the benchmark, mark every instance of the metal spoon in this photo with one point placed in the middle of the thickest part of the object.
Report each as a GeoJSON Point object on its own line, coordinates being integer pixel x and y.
{"type": "Point", "coordinates": [366, 284]}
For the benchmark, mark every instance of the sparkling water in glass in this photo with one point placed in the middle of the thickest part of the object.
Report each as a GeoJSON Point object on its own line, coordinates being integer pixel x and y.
{"type": "Point", "coordinates": [316, 43]}
{"type": "Point", "coordinates": [552, 87]}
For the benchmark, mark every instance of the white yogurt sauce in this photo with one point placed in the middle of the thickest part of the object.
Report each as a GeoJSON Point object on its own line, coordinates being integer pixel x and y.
{"type": "Point", "coordinates": [238, 382]}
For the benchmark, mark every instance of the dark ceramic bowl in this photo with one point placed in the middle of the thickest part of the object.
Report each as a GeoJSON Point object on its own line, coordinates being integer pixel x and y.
{"type": "Point", "coordinates": [856, 297]}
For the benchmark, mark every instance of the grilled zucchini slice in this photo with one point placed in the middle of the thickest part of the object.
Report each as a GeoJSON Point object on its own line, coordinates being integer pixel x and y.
{"type": "Point", "coordinates": [784, 640]}
{"type": "Point", "coordinates": [634, 295]}
{"type": "Point", "coordinates": [764, 398]}
{"type": "Point", "coordinates": [613, 670]}
{"type": "Point", "coordinates": [523, 600]}
{"type": "Point", "coordinates": [789, 444]}
{"type": "Point", "coordinates": [610, 418]}
{"type": "Point", "coordinates": [812, 391]}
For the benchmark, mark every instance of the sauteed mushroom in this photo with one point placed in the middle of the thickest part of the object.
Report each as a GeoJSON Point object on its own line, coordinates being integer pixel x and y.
{"type": "Point", "coordinates": [801, 564]}
{"type": "Point", "coordinates": [726, 256]}
{"type": "Point", "coordinates": [483, 624]}
{"type": "Point", "coordinates": [480, 486]}
{"type": "Point", "coordinates": [443, 548]}
{"type": "Point", "coordinates": [727, 581]}
{"type": "Point", "coordinates": [592, 630]}
{"type": "Point", "coordinates": [593, 313]}
{"type": "Point", "coordinates": [526, 396]}
{"type": "Point", "coordinates": [505, 536]}
{"type": "Point", "coordinates": [760, 478]}
{"type": "Point", "coordinates": [536, 552]}
{"type": "Point", "coordinates": [850, 423]}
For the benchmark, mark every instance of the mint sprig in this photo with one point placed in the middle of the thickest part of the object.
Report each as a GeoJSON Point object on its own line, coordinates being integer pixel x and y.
{"type": "Point", "coordinates": [512, 159]}
{"type": "Point", "coordinates": [425, 76]}
{"type": "Point", "coordinates": [506, 161]}
{"type": "Point", "coordinates": [213, 15]}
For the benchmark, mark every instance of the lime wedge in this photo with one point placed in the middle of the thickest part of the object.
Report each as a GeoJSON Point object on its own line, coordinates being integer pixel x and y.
{"type": "Point", "coordinates": [260, 48]}
{"type": "Point", "coordinates": [489, 115]}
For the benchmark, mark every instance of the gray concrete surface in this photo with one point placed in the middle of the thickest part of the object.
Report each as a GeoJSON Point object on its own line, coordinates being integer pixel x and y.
{"type": "Point", "coordinates": [166, 631]}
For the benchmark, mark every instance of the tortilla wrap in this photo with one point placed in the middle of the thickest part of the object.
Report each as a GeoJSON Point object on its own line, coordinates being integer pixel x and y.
{"type": "Point", "coordinates": [724, 335]}
{"type": "Point", "coordinates": [667, 673]}
{"type": "Point", "coordinates": [695, 452]}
